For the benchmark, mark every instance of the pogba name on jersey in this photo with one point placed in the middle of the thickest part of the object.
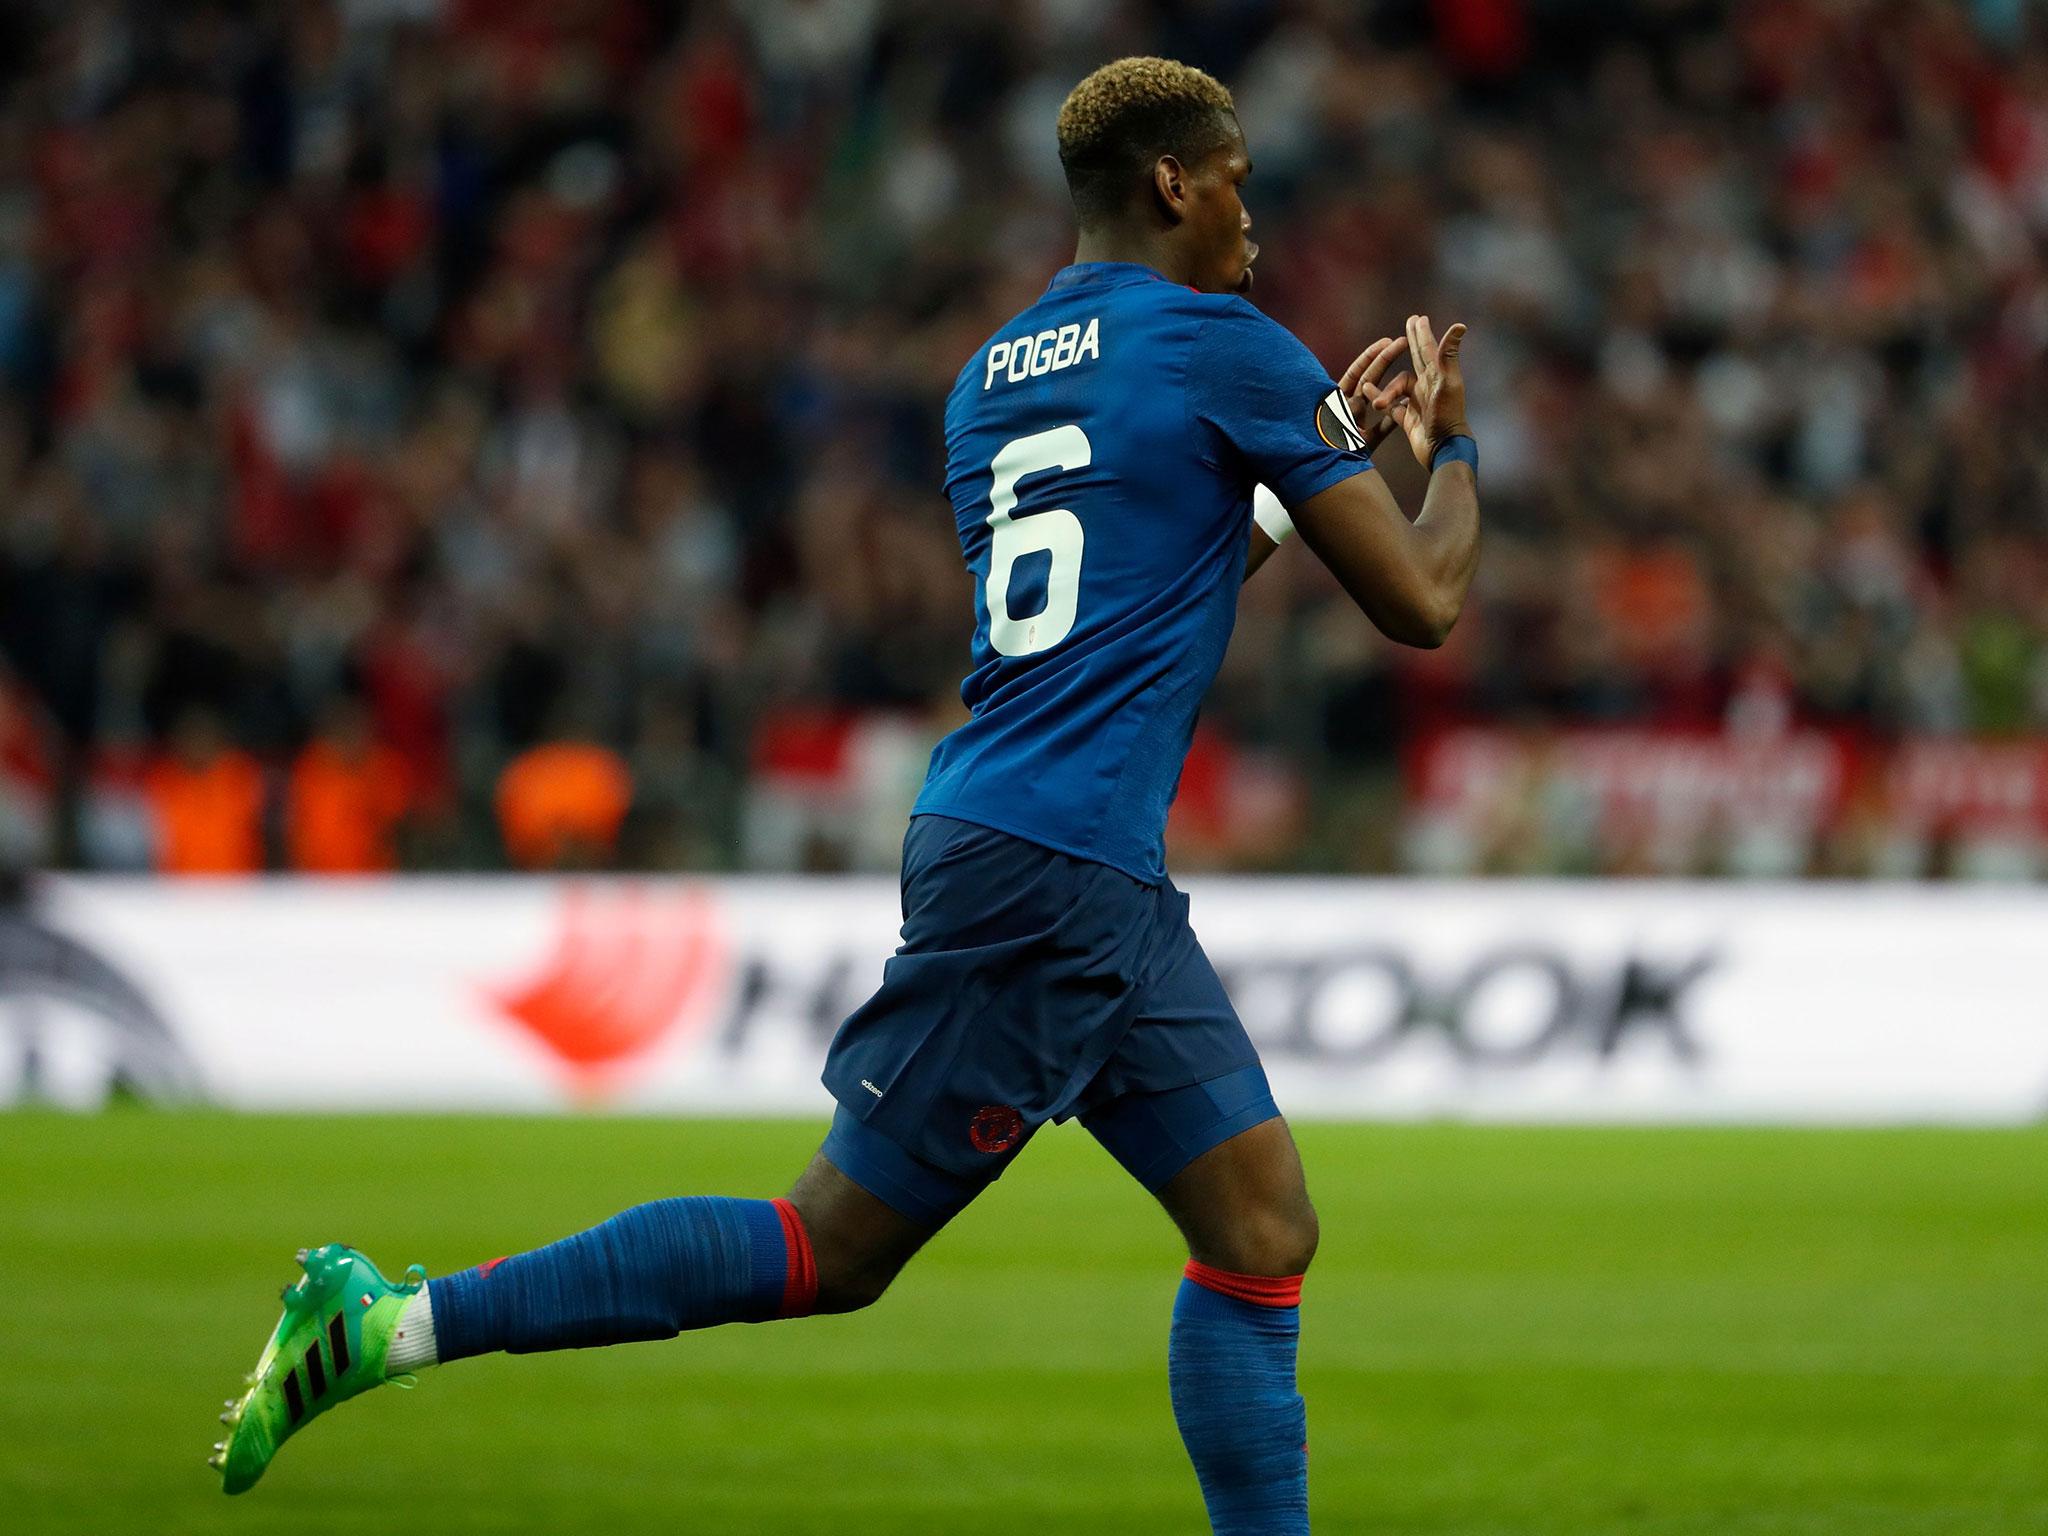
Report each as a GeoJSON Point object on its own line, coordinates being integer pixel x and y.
{"type": "Point", "coordinates": [1030, 357]}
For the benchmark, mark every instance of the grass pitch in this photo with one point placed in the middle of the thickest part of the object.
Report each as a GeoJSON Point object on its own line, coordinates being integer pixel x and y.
{"type": "Point", "coordinates": [1510, 1332]}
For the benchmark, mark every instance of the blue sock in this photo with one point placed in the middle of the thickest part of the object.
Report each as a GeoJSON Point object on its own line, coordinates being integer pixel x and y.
{"type": "Point", "coordinates": [1230, 1362]}
{"type": "Point", "coordinates": [648, 1273]}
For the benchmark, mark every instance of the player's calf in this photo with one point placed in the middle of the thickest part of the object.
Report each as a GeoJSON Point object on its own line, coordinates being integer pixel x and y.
{"type": "Point", "coordinates": [648, 1273]}
{"type": "Point", "coordinates": [1251, 1231]}
{"type": "Point", "coordinates": [1230, 1370]}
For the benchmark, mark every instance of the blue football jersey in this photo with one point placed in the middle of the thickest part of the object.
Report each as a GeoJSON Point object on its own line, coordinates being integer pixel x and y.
{"type": "Point", "coordinates": [1101, 452]}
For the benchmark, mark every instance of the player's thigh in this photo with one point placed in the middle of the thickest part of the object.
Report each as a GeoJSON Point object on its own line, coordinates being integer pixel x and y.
{"type": "Point", "coordinates": [1243, 1205]}
{"type": "Point", "coordinates": [1184, 1106]}
{"type": "Point", "coordinates": [1185, 1077]}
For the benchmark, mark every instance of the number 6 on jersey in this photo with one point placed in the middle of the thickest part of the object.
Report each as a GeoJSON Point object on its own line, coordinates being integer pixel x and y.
{"type": "Point", "coordinates": [1057, 532]}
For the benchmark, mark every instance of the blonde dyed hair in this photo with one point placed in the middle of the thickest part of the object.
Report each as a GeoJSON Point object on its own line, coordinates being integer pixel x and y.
{"type": "Point", "coordinates": [1117, 123]}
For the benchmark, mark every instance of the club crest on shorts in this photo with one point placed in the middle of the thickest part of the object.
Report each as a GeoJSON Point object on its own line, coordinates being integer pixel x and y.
{"type": "Point", "coordinates": [1336, 425]}
{"type": "Point", "coordinates": [995, 1128]}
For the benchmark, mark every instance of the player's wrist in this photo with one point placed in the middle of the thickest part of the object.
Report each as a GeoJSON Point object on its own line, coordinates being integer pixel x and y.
{"type": "Point", "coordinates": [1456, 446]}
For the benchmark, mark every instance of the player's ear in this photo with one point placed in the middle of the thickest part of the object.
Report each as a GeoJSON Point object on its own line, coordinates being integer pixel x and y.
{"type": "Point", "coordinates": [1170, 187]}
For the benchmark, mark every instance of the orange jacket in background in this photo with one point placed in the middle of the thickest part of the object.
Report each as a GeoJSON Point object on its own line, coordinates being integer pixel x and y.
{"type": "Point", "coordinates": [209, 819]}
{"type": "Point", "coordinates": [563, 802]}
{"type": "Point", "coordinates": [343, 808]}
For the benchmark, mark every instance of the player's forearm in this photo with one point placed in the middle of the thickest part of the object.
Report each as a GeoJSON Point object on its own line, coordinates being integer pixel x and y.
{"type": "Point", "coordinates": [1408, 578]}
{"type": "Point", "coordinates": [1446, 543]}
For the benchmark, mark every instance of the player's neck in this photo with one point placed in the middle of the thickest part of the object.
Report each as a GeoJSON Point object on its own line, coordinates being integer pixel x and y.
{"type": "Point", "coordinates": [1144, 247]}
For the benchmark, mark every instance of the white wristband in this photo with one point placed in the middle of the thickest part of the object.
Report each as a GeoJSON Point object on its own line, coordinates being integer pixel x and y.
{"type": "Point", "coordinates": [1271, 516]}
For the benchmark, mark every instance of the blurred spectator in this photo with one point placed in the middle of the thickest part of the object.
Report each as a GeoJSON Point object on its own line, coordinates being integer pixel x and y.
{"type": "Point", "coordinates": [117, 826]}
{"type": "Point", "coordinates": [208, 797]}
{"type": "Point", "coordinates": [346, 798]}
{"type": "Point", "coordinates": [26, 780]}
{"type": "Point", "coordinates": [561, 805]}
{"type": "Point", "coordinates": [1233, 807]}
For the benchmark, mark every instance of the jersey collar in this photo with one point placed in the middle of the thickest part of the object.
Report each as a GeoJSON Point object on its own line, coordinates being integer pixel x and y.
{"type": "Point", "coordinates": [1102, 272]}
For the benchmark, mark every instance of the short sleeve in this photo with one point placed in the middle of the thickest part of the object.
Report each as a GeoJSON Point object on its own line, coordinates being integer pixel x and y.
{"type": "Point", "coordinates": [1253, 383]}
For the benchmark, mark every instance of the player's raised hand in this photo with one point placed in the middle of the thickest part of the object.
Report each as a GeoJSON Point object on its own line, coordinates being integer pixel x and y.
{"type": "Point", "coordinates": [1371, 405]}
{"type": "Point", "coordinates": [1432, 407]}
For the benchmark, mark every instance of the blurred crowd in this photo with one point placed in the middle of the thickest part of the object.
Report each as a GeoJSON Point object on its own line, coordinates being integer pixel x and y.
{"type": "Point", "coordinates": [485, 433]}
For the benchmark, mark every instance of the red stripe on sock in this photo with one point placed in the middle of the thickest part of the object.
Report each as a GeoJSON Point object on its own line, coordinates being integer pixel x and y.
{"type": "Point", "coordinates": [490, 1264]}
{"type": "Point", "coordinates": [800, 1286]}
{"type": "Point", "coordinates": [1260, 1290]}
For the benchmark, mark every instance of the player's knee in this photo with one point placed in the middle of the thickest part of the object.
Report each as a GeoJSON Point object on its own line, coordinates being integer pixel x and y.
{"type": "Point", "coordinates": [858, 1244]}
{"type": "Point", "coordinates": [1306, 1234]}
{"type": "Point", "coordinates": [849, 1282]}
{"type": "Point", "coordinates": [1267, 1237]}
{"type": "Point", "coordinates": [1288, 1238]}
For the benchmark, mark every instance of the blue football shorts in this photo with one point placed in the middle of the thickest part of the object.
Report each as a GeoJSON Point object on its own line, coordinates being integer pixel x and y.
{"type": "Point", "coordinates": [1032, 986]}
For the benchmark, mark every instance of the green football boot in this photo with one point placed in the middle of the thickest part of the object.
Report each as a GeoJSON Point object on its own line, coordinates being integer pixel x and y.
{"type": "Point", "coordinates": [329, 1346]}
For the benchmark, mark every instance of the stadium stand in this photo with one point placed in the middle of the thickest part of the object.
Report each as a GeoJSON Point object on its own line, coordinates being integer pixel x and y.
{"type": "Point", "coordinates": [524, 374]}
